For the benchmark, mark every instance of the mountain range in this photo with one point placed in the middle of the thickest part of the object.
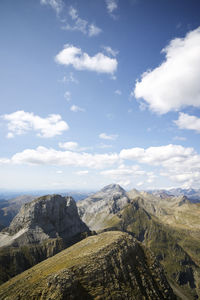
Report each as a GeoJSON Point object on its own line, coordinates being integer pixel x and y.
{"type": "Point", "coordinates": [158, 231]}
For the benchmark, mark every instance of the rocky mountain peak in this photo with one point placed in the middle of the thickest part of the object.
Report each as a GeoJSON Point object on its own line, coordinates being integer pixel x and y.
{"type": "Point", "coordinates": [50, 216]}
{"type": "Point", "coordinates": [113, 188]}
{"type": "Point", "coordinates": [108, 201]}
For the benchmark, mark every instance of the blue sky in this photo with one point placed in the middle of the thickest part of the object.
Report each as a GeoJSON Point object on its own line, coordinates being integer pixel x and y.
{"type": "Point", "coordinates": [99, 91]}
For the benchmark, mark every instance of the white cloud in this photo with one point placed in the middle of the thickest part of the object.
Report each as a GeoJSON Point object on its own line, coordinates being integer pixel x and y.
{"type": "Point", "coordinates": [57, 5]}
{"type": "Point", "coordinates": [73, 13]}
{"type": "Point", "coordinates": [110, 137]}
{"type": "Point", "coordinates": [79, 24]}
{"type": "Point", "coordinates": [111, 5]}
{"type": "Point", "coordinates": [175, 83]}
{"type": "Point", "coordinates": [118, 92]}
{"type": "Point", "coordinates": [126, 174]}
{"type": "Point", "coordinates": [73, 146]}
{"type": "Point", "coordinates": [59, 172]}
{"type": "Point", "coordinates": [81, 173]}
{"type": "Point", "coordinates": [100, 63]}
{"type": "Point", "coordinates": [157, 155]}
{"type": "Point", "coordinates": [94, 30]}
{"type": "Point", "coordinates": [20, 122]}
{"type": "Point", "coordinates": [76, 108]}
{"type": "Point", "coordinates": [44, 156]}
{"type": "Point", "coordinates": [178, 163]}
{"type": "Point", "coordinates": [140, 183]}
{"type": "Point", "coordinates": [123, 170]}
{"type": "Point", "coordinates": [67, 96]}
{"type": "Point", "coordinates": [186, 121]}
{"type": "Point", "coordinates": [69, 146]}
{"type": "Point", "coordinates": [4, 161]}
{"type": "Point", "coordinates": [110, 51]}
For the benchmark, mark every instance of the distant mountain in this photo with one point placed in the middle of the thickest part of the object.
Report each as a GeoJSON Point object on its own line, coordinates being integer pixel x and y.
{"type": "Point", "coordinates": [102, 205]}
{"type": "Point", "coordinates": [192, 194]}
{"type": "Point", "coordinates": [42, 228]}
{"type": "Point", "coordinates": [112, 265]}
{"type": "Point", "coordinates": [9, 208]}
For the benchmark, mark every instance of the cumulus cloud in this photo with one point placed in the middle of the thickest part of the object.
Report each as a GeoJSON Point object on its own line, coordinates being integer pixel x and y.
{"type": "Point", "coordinates": [111, 5]}
{"type": "Point", "coordinates": [178, 163]}
{"type": "Point", "coordinates": [46, 156]}
{"type": "Point", "coordinates": [57, 5]}
{"type": "Point", "coordinates": [74, 56]}
{"type": "Point", "coordinates": [175, 83]}
{"type": "Point", "coordinates": [76, 108]}
{"type": "Point", "coordinates": [20, 122]}
{"type": "Point", "coordinates": [110, 137]}
{"type": "Point", "coordinates": [69, 146]}
{"type": "Point", "coordinates": [186, 121]}
{"type": "Point", "coordinates": [79, 24]}
{"type": "Point", "coordinates": [157, 155]}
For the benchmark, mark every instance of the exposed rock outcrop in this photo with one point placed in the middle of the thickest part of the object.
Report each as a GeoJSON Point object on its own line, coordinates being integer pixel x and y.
{"type": "Point", "coordinates": [42, 228]}
{"type": "Point", "coordinates": [112, 265]}
{"type": "Point", "coordinates": [102, 205]}
{"type": "Point", "coordinates": [46, 217]}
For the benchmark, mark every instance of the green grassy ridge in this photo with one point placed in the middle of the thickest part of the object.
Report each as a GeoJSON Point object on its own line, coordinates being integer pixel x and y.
{"type": "Point", "coordinates": [177, 250]}
{"type": "Point", "coordinates": [111, 265]}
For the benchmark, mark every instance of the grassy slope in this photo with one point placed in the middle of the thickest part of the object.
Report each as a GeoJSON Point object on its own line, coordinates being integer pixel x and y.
{"type": "Point", "coordinates": [177, 249]}
{"type": "Point", "coordinates": [102, 265]}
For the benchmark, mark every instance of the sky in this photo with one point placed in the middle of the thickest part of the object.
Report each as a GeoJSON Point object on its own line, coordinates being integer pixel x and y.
{"type": "Point", "coordinates": [96, 92]}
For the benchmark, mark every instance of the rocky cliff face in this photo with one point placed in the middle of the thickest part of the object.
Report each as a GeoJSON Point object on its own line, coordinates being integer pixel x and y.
{"type": "Point", "coordinates": [112, 265]}
{"type": "Point", "coordinates": [42, 228]}
{"type": "Point", "coordinates": [46, 217]}
{"type": "Point", "coordinates": [102, 205]}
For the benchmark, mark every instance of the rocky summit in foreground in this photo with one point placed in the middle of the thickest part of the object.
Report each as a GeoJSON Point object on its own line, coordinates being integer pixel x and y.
{"type": "Point", "coordinates": [111, 265]}
{"type": "Point", "coordinates": [41, 229]}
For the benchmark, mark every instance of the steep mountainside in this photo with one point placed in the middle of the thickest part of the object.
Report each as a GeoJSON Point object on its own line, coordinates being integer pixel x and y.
{"type": "Point", "coordinates": [42, 228]}
{"type": "Point", "coordinates": [177, 249]}
{"type": "Point", "coordinates": [102, 205]}
{"type": "Point", "coordinates": [176, 211]}
{"type": "Point", "coordinates": [112, 265]}
{"type": "Point", "coordinates": [169, 226]}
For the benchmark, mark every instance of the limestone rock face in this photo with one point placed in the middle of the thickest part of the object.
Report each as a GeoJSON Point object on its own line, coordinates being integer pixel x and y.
{"type": "Point", "coordinates": [111, 265]}
{"type": "Point", "coordinates": [94, 209]}
{"type": "Point", "coordinates": [46, 217]}
{"type": "Point", "coordinates": [41, 229]}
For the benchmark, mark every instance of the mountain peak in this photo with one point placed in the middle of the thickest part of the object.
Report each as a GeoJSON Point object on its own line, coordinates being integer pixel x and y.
{"type": "Point", "coordinates": [50, 216]}
{"type": "Point", "coordinates": [112, 187]}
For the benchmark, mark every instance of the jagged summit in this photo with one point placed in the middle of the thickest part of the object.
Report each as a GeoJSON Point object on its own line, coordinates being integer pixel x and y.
{"type": "Point", "coordinates": [108, 201]}
{"type": "Point", "coordinates": [50, 216]}
{"type": "Point", "coordinates": [112, 187]}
